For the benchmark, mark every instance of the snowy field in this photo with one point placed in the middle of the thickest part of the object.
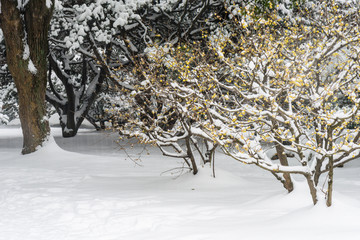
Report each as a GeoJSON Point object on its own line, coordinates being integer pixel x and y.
{"type": "Point", "coordinates": [92, 188]}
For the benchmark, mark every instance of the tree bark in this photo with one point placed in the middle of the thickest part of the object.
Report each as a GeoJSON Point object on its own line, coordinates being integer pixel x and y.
{"type": "Point", "coordinates": [288, 184]}
{"type": "Point", "coordinates": [312, 188]}
{"type": "Point", "coordinates": [191, 156]}
{"type": "Point", "coordinates": [330, 182]}
{"type": "Point", "coordinates": [26, 38]}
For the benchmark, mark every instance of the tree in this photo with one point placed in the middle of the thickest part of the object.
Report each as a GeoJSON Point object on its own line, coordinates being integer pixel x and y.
{"type": "Point", "coordinates": [25, 27]}
{"type": "Point", "coordinates": [77, 63]}
{"type": "Point", "coordinates": [266, 92]}
{"type": "Point", "coordinates": [164, 112]}
{"type": "Point", "coordinates": [9, 107]}
{"type": "Point", "coordinates": [108, 37]}
{"type": "Point", "coordinates": [164, 115]}
{"type": "Point", "coordinates": [279, 89]}
{"type": "Point", "coordinates": [8, 95]}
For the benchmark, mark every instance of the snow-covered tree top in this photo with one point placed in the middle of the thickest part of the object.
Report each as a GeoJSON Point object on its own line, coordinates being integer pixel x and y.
{"type": "Point", "coordinates": [101, 19]}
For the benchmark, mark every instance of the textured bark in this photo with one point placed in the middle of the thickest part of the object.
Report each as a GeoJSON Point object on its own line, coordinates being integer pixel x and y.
{"type": "Point", "coordinates": [312, 188]}
{"type": "Point", "coordinates": [288, 184]}
{"type": "Point", "coordinates": [29, 25]}
{"type": "Point", "coordinates": [331, 170]}
{"type": "Point", "coordinates": [330, 182]}
{"type": "Point", "coordinates": [191, 156]}
{"type": "Point", "coordinates": [317, 174]}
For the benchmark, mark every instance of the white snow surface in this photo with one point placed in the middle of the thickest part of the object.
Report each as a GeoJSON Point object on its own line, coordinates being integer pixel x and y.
{"type": "Point", "coordinates": [32, 67]}
{"type": "Point", "coordinates": [88, 188]}
{"type": "Point", "coordinates": [48, 3]}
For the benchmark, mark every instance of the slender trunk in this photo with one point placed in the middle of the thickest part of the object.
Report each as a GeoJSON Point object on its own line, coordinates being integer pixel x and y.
{"type": "Point", "coordinates": [331, 171]}
{"type": "Point", "coordinates": [213, 164]}
{"type": "Point", "coordinates": [317, 170]}
{"type": "Point", "coordinates": [191, 156]}
{"type": "Point", "coordinates": [330, 182]}
{"type": "Point", "coordinates": [313, 191]}
{"type": "Point", "coordinates": [288, 184]}
{"type": "Point", "coordinates": [26, 40]}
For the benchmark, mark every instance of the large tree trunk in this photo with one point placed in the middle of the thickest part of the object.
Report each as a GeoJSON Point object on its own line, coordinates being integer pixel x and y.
{"type": "Point", "coordinates": [26, 39]}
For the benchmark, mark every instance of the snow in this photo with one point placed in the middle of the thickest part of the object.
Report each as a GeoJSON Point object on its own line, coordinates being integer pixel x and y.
{"type": "Point", "coordinates": [48, 3]}
{"type": "Point", "coordinates": [32, 67]}
{"type": "Point", "coordinates": [26, 53]}
{"type": "Point", "coordinates": [22, 4]}
{"type": "Point", "coordinates": [90, 187]}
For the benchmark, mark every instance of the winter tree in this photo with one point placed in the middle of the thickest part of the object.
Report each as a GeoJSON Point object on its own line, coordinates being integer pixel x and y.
{"type": "Point", "coordinates": [279, 89]}
{"type": "Point", "coordinates": [8, 95]}
{"type": "Point", "coordinates": [162, 114]}
{"type": "Point", "coordinates": [108, 37]}
{"type": "Point", "coordinates": [25, 26]}
{"type": "Point", "coordinates": [281, 95]}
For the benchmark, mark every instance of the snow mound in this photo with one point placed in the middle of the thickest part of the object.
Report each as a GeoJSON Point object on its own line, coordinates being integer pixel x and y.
{"type": "Point", "coordinates": [50, 147]}
{"type": "Point", "coordinates": [205, 180]}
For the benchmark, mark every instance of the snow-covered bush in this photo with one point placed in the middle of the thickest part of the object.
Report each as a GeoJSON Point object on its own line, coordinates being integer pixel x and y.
{"type": "Point", "coordinates": [281, 87]}
{"type": "Point", "coordinates": [163, 108]}
{"type": "Point", "coordinates": [110, 109]}
{"type": "Point", "coordinates": [266, 94]}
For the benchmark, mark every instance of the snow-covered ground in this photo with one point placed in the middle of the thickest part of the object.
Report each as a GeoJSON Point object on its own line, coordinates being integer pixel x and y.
{"type": "Point", "coordinates": [92, 188]}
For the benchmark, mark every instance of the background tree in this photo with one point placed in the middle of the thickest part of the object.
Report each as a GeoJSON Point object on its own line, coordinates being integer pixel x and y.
{"type": "Point", "coordinates": [8, 95]}
{"type": "Point", "coordinates": [110, 36]}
